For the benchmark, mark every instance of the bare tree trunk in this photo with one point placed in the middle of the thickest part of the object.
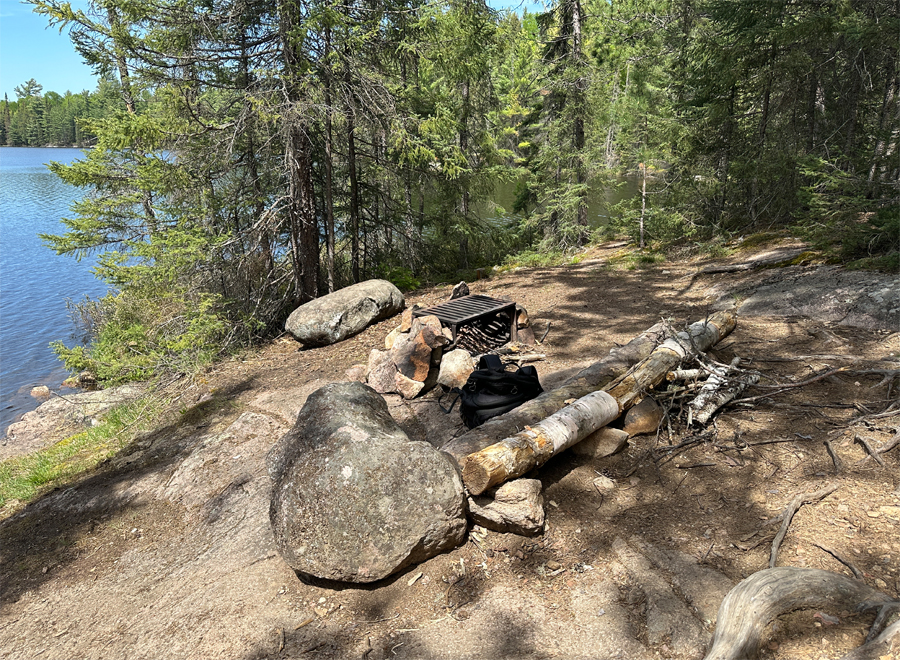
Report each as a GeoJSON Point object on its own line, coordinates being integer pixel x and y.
{"type": "Point", "coordinates": [643, 200]}
{"type": "Point", "coordinates": [329, 171]}
{"type": "Point", "coordinates": [301, 200]}
{"type": "Point", "coordinates": [354, 183]}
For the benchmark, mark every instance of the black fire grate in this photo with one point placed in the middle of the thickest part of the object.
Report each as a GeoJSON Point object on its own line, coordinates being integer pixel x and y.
{"type": "Point", "coordinates": [473, 310]}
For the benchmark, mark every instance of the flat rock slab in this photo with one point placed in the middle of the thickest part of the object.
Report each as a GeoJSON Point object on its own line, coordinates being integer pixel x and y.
{"type": "Point", "coordinates": [354, 499]}
{"type": "Point", "coordinates": [61, 417]}
{"type": "Point", "coordinates": [826, 293]}
{"type": "Point", "coordinates": [344, 313]}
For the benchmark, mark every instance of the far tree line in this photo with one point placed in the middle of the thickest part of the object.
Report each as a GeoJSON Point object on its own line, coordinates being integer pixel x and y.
{"type": "Point", "coordinates": [36, 118]}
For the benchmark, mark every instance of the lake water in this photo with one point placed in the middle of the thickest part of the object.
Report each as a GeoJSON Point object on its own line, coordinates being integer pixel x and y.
{"type": "Point", "coordinates": [34, 282]}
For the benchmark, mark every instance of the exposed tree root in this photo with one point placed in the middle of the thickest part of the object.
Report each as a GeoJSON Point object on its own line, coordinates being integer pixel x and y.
{"type": "Point", "coordinates": [758, 600]}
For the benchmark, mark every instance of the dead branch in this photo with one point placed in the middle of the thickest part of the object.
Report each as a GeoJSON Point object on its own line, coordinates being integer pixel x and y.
{"type": "Point", "coordinates": [784, 388]}
{"type": "Point", "coordinates": [838, 463]}
{"type": "Point", "coordinates": [893, 442]}
{"type": "Point", "coordinates": [858, 574]}
{"type": "Point", "coordinates": [788, 514]}
{"type": "Point", "coordinates": [685, 374]}
{"type": "Point", "coordinates": [755, 602]}
{"type": "Point", "coordinates": [871, 452]}
{"type": "Point", "coordinates": [546, 332]}
{"type": "Point", "coordinates": [884, 612]}
{"type": "Point", "coordinates": [880, 647]}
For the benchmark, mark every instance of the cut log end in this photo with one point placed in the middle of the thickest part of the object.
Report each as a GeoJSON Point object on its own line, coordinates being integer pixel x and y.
{"type": "Point", "coordinates": [476, 477]}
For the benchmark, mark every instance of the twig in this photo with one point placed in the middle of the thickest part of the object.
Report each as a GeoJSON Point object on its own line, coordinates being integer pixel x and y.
{"type": "Point", "coordinates": [788, 514]}
{"type": "Point", "coordinates": [387, 618]}
{"type": "Point", "coordinates": [546, 332]}
{"type": "Point", "coordinates": [838, 463]}
{"type": "Point", "coordinates": [871, 452]}
{"type": "Point", "coordinates": [893, 442]}
{"type": "Point", "coordinates": [858, 574]}
{"type": "Point", "coordinates": [884, 612]}
{"type": "Point", "coordinates": [784, 388]}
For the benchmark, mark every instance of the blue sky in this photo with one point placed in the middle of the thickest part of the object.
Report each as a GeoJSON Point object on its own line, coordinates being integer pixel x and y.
{"type": "Point", "coordinates": [30, 49]}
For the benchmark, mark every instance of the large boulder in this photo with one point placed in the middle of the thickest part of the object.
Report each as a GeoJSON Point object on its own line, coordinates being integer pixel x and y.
{"type": "Point", "coordinates": [354, 499]}
{"type": "Point", "coordinates": [344, 313]}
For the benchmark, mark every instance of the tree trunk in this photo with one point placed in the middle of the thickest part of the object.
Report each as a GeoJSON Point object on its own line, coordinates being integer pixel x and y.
{"type": "Point", "coordinates": [329, 171]}
{"type": "Point", "coordinates": [588, 380]}
{"type": "Point", "coordinates": [354, 184]}
{"type": "Point", "coordinates": [533, 447]}
{"type": "Point", "coordinates": [755, 602]}
{"type": "Point", "coordinates": [301, 204]}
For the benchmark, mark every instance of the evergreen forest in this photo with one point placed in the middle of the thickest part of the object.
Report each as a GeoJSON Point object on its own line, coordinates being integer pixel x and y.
{"type": "Point", "coordinates": [38, 119]}
{"type": "Point", "coordinates": [250, 155]}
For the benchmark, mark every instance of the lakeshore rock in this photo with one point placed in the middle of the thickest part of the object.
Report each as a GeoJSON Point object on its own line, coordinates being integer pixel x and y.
{"type": "Point", "coordinates": [344, 313]}
{"type": "Point", "coordinates": [60, 417]}
{"type": "Point", "coordinates": [353, 498]}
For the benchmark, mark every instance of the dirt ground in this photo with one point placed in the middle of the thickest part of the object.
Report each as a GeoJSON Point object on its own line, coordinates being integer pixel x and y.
{"type": "Point", "coordinates": [165, 551]}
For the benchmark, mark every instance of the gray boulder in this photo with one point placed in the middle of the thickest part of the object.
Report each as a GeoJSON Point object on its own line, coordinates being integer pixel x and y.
{"type": "Point", "coordinates": [344, 313]}
{"type": "Point", "coordinates": [354, 499]}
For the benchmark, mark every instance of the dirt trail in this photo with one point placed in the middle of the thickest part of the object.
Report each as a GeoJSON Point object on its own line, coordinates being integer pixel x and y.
{"type": "Point", "coordinates": [165, 552]}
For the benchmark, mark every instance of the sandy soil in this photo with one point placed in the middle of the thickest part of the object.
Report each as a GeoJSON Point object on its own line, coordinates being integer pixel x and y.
{"type": "Point", "coordinates": [165, 551]}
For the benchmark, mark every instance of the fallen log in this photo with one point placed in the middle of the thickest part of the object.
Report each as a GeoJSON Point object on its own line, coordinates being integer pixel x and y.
{"type": "Point", "coordinates": [517, 454]}
{"type": "Point", "coordinates": [589, 379]}
{"type": "Point", "coordinates": [755, 602]}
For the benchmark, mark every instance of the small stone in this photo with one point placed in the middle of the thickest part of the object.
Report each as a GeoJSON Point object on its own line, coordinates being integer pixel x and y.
{"type": "Point", "coordinates": [391, 338]}
{"type": "Point", "coordinates": [381, 372]}
{"type": "Point", "coordinates": [460, 290]}
{"type": "Point", "coordinates": [358, 372]}
{"type": "Point", "coordinates": [645, 417]}
{"type": "Point", "coordinates": [408, 388]}
{"type": "Point", "coordinates": [456, 366]}
{"type": "Point", "coordinates": [40, 392]}
{"type": "Point", "coordinates": [603, 483]}
{"type": "Point", "coordinates": [553, 565]}
{"type": "Point", "coordinates": [872, 513]}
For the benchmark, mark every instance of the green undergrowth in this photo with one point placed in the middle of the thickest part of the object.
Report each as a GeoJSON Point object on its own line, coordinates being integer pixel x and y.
{"type": "Point", "coordinates": [24, 478]}
{"type": "Point", "coordinates": [635, 259]}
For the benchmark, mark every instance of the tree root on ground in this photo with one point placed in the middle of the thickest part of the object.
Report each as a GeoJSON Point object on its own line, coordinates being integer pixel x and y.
{"type": "Point", "coordinates": [758, 600]}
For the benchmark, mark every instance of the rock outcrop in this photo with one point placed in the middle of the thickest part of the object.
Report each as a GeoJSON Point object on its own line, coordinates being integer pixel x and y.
{"type": "Point", "coordinates": [354, 499]}
{"type": "Point", "coordinates": [344, 313]}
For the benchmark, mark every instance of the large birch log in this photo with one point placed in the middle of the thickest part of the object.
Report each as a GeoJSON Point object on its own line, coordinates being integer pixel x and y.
{"type": "Point", "coordinates": [514, 456]}
{"type": "Point", "coordinates": [589, 379]}
{"type": "Point", "coordinates": [517, 454]}
{"type": "Point", "coordinates": [699, 337]}
{"type": "Point", "coordinates": [749, 608]}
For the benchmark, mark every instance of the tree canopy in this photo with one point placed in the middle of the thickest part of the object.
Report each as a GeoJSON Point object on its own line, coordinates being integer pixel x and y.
{"type": "Point", "coordinates": [251, 155]}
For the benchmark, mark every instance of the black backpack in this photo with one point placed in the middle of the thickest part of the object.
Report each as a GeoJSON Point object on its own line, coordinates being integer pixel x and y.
{"type": "Point", "coordinates": [491, 390]}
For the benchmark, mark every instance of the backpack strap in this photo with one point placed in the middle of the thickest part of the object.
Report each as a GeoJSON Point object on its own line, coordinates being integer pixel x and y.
{"type": "Point", "coordinates": [455, 391]}
{"type": "Point", "coordinates": [490, 362]}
